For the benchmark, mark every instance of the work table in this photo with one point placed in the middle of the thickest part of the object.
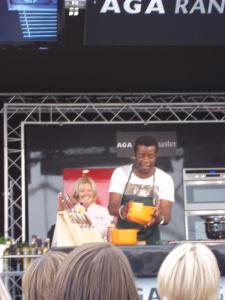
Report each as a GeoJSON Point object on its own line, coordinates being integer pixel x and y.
{"type": "Point", "coordinates": [145, 261]}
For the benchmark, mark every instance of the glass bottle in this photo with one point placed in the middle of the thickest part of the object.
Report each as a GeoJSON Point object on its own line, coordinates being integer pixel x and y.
{"type": "Point", "coordinates": [46, 246]}
{"type": "Point", "coordinates": [26, 252]}
{"type": "Point", "coordinates": [12, 262]}
{"type": "Point", "coordinates": [6, 253]}
{"type": "Point", "coordinates": [19, 260]}
{"type": "Point", "coordinates": [33, 245]}
{"type": "Point", "coordinates": [39, 246]}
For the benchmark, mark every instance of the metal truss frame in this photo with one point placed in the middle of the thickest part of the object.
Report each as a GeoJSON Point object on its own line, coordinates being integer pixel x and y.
{"type": "Point", "coordinates": [142, 108]}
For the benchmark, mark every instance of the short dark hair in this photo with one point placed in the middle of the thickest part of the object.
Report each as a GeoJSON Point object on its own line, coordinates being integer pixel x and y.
{"type": "Point", "coordinates": [146, 141]}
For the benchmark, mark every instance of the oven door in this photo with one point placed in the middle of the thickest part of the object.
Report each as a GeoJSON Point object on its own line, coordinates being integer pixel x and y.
{"type": "Point", "coordinates": [204, 195]}
{"type": "Point", "coordinates": [195, 223]}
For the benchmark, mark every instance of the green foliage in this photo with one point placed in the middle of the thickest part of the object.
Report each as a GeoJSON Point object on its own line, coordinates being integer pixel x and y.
{"type": "Point", "coordinates": [4, 240]}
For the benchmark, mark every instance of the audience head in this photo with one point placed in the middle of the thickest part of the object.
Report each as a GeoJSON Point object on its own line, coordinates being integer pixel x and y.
{"type": "Point", "coordinates": [4, 294]}
{"type": "Point", "coordinates": [39, 278]}
{"type": "Point", "coordinates": [189, 272]}
{"type": "Point", "coordinates": [96, 271]}
{"type": "Point", "coordinates": [85, 191]}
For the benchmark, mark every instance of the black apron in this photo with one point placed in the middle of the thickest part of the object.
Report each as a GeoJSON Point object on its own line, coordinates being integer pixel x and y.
{"type": "Point", "coordinates": [149, 234]}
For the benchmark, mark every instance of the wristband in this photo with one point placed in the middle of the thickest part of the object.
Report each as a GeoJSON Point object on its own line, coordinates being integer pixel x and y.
{"type": "Point", "coordinates": [120, 212]}
{"type": "Point", "coordinates": [162, 220]}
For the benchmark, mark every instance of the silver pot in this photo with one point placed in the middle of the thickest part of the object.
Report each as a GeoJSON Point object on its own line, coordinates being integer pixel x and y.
{"type": "Point", "coordinates": [215, 227]}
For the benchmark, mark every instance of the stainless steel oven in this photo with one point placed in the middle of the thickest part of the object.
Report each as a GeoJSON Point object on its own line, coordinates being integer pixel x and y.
{"type": "Point", "coordinates": [195, 228]}
{"type": "Point", "coordinates": [204, 195]}
{"type": "Point", "coordinates": [204, 189]}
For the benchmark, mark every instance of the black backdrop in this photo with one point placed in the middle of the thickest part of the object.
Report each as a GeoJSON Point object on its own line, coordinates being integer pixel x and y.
{"type": "Point", "coordinates": [78, 68]}
{"type": "Point", "coordinates": [52, 148]}
{"type": "Point", "coordinates": [94, 145]}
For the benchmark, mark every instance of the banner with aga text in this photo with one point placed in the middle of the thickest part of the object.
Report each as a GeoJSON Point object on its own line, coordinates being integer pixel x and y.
{"type": "Point", "coordinates": [155, 22]}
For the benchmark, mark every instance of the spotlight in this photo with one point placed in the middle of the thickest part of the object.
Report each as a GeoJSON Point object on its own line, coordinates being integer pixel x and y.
{"type": "Point", "coordinates": [74, 8]}
{"type": "Point", "coordinates": [74, 5]}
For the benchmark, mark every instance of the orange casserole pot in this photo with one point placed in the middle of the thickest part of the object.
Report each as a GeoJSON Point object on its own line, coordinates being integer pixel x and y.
{"type": "Point", "coordinates": [124, 236]}
{"type": "Point", "coordinates": [140, 213]}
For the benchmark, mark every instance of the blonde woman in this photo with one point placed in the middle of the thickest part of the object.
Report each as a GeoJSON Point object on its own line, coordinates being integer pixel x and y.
{"type": "Point", "coordinates": [85, 194]}
{"type": "Point", "coordinates": [95, 271]}
{"type": "Point", "coordinates": [189, 272]}
{"type": "Point", "coordinates": [39, 278]}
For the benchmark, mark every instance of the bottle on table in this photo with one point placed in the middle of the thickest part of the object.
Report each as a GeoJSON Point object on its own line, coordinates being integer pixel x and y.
{"type": "Point", "coordinates": [26, 252]}
{"type": "Point", "coordinates": [5, 254]}
{"type": "Point", "coordinates": [39, 246]}
{"type": "Point", "coordinates": [19, 260]}
{"type": "Point", "coordinates": [46, 246]}
{"type": "Point", "coordinates": [33, 245]}
{"type": "Point", "coordinates": [12, 261]}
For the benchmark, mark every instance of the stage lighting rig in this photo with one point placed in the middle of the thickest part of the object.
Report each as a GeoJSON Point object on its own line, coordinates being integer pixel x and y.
{"type": "Point", "coordinates": [74, 5]}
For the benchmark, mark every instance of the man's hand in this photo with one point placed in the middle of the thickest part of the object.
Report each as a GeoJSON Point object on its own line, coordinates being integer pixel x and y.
{"type": "Point", "coordinates": [162, 214]}
{"type": "Point", "coordinates": [157, 216]}
{"type": "Point", "coordinates": [154, 218]}
{"type": "Point", "coordinates": [123, 211]}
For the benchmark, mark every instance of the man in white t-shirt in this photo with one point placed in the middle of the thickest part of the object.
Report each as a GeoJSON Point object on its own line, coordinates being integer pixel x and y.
{"type": "Point", "coordinates": [142, 182]}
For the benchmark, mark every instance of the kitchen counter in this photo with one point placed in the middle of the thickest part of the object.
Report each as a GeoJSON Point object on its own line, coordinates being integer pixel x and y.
{"type": "Point", "coordinates": [145, 261]}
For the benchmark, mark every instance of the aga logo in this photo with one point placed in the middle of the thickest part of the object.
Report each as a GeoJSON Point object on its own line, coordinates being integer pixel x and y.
{"type": "Point", "coordinates": [157, 6]}
{"type": "Point", "coordinates": [124, 145]}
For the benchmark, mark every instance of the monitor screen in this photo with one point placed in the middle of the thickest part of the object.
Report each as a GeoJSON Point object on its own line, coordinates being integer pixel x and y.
{"type": "Point", "coordinates": [36, 23]}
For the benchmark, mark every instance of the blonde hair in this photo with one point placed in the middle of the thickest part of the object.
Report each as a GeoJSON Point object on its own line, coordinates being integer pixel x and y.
{"type": "Point", "coordinates": [4, 293]}
{"type": "Point", "coordinates": [38, 279]}
{"type": "Point", "coordinates": [95, 271]}
{"type": "Point", "coordinates": [189, 272]}
{"type": "Point", "coordinates": [81, 182]}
